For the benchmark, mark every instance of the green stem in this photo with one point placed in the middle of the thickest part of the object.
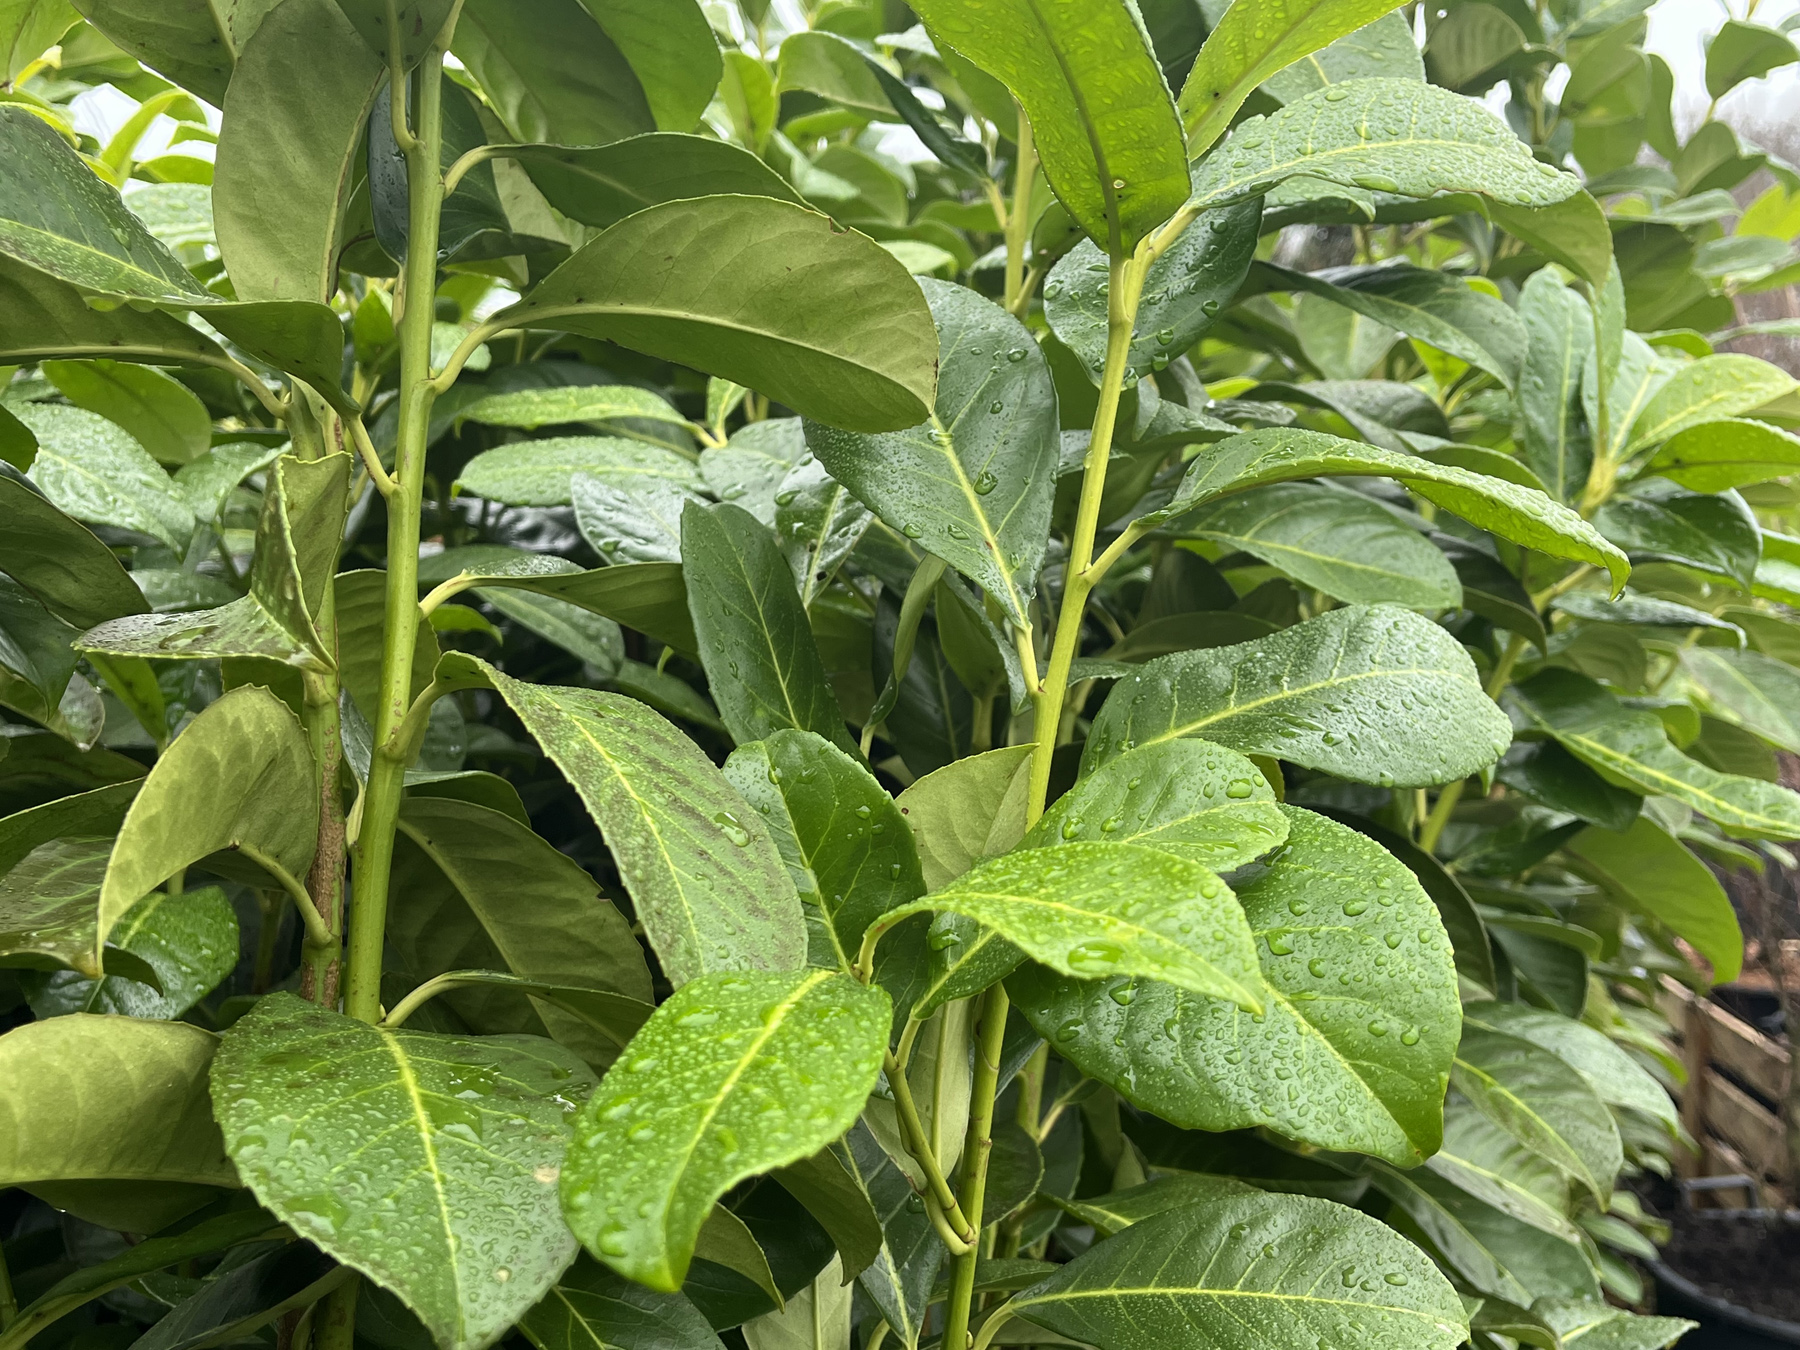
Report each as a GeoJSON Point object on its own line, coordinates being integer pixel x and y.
{"type": "Point", "coordinates": [1029, 1115]}
{"type": "Point", "coordinates": [387, 768]}
{"type": "Point", "coordinates": [1452, 793]}
{"type": "Point", "coordinates": [919, 1145]}
{"type": "Point", "coordinates": [9, 1301]}
{"type": "Point", "coordinates": [1018, 220]}
{"type": "Point", "coordinates": [317, 934]}
{"type": "Point", "coordinates": [976, 1148]}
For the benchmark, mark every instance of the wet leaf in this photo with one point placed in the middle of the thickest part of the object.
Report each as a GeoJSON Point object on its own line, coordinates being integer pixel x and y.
{"type": "Point", "coordinates": [600, 185]}
{"type": "Point", "coordinates": [590, 1305]}
{"type": "Point", "coordinates": [94, 471]}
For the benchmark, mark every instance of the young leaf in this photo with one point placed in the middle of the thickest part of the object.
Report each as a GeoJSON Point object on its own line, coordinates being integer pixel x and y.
{"type": "Point", "coordinates": [66, 569]}
{"type": "Point", "coordinates": [1617, 1078]}
{"type": "Point", "coordinates": [600, 185]}
{"type": "Point", "coordinates": [1204, 1271]}
{"type": "Point", "coordinates": [1730, 453]}
{"type": "Point", "coordinates": [1367, 134]}
{"type": "Point", "coordinates": [818, 523]}
{"type": "Point", "coordinates": [1560, 327]}
{"type": "Point", "coordinates": [240, 776]}
{"type": "Point", "coordinates": [703, 873]}
{"type": "Point", "coordinates": [94, 471]}
{"type": "Point", "coordinates": [1105, 126]}
{"type": "Point", "coordinates": [826, 322]}
{"type": "Point", "coordinates": [748, 470]}
{"type": "Point", "coordinates": [463, 1186]}
{"type": "Point", "coordinates": [736, 1073]}
{"type": "Point", "coordinates": [967, 811]}
{"type": "Point", "coordinates": [590, 1305]}
{"type": "Point", "coordinates": [1359, 1005]}
{"type": "Point", "coordinates": [761, 661]}
{"type": "Point", "coordinates": [1320, 694]}
{"type": "Point", "coordinates": [1198, 801]}
{"type": "Point", "coordinates": [1102, 909]}
{"type": "Point", "coordinates": [974, 483]}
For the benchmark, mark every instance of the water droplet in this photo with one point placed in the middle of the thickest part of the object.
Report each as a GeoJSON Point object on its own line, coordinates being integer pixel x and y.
{"type": "Point", "coordinates": [1375, 182]}
{"type": "Point", "coordinates": [732, 829]}
{"type": "Point", "coordinates": [1354, 907]}
{"type": "Point", "coordinates": [1395, 1277]}
{"type": "Point", "coordinates": [1410, 1036]}
{"type": "Point", "coordinates": [1016, 355]}
{"type": "Point", "coordinates": [1394, 940]}
{"type": "Point", "coordinates": [1239, 788]}
{"type": "Point", "coordinates": [985, 482]}
{"type": "Point", "coordinates": [614, 1242]}
{"type": "Point", "coordinates": [1210, 307]}
{"type": "Point", "coordinates": [1118, 183]}
{"type": "Point", "coordinates": [699, 1017]}
{"type": "Point", "coordinates": [911, 531]}
{"type": "Point", "coordinates": [1335, 94]}
{"type": "Point", "coordinates": [996, 406]}
{"type": "Point", "coordinates": [1317, 968]}
{"type": "Point", "coordinates": [1280, 943]}
{"type": "Point", "coordinates": [1123, 994]}
{"type": "Point", "coordinates": [1097, 956]}
{"type": "Point", "coordinates": [957, 531]}
{"type": "Point", "coordinates": [502, 1273]}
{"type": "Point", "coordinates": [943, 939]}
{"type": "Point", "coordinates": [786, 496]}
{"type": "Point", "coordinates": [1378, 1028]}
{"type": "Point", "coordinates": [1068, 1031]}
{"type": "Point", "coordinates": [1071, 827]}
{"type": "Point", "coordinates": [1165, 336]}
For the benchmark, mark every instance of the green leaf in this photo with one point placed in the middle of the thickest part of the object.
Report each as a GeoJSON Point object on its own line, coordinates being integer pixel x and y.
{"type": "Point", "coordinates": [417, 21]}
{"type": "Point", "coordinates": [241, 775]}
{"type": "Point", "coordinates": [828, 1185]}
{"type": "Point", "coordinates": [1747, 689]}
{"type": "Point", "coordinates": [600, 185]}
{"type": "Point", "coordinates": [1320, 694]}
{"type": "Point", "coordinates": [1360, 1007]}
{"type": "Point", "coordinates": [62, 564]}
{"type": "Point", "coordinates": [1203, 1272]}
{"type": "Point", "coordinates": [91, 811]}
{"type": "Point", "coordinates": [1630, 748]}
{"type": "Point", "coordinates": [1280, 454]}
{"type": "Point", "coordinates": [61, 219]}
{"type": "Point", "coordinates": [1106, 129]}
{"type": "Point", "coordinates": [167, 420]}
{"type": "Point", "coordinates": [27, 29]}
{"type": "Point", "coordinates": [1198, 801]}
{"type": "Point", "coordinates": [827, 322]}
{"type": "Point", "coordinates": [1649, 871]}
{"type": "Point", "coordinates": [43, 317]}
{"type": "Point", "coordinates": [590, 1306]}
{"type": "Point", "coordinates": [246, 1294]}
{"type": "Point", "coordinates": [1183, 292]}
{"type": "Point", "coordinates": [967, 811]}
{"type": "Point", "coordinates": [749, 469]}
{"type": "Point", "coordinates": [1617, 1078]}
{"type": "Point", "coordinates": [195, 45]}
{"type": "Point", "coordinates": [1711, 389]}
{"type": "Point", "coordinates": [1561, 330]}
{"type": "Point", "coordinates": [1491, 590]}
{"type": "Point", "coordinates": [529, 409]}
{"type": "Point", "coordinates": [1365, 134]}
{"type": "Point", "coordinates": [1574, 231]}
{"type": "Point", "coordinates": [1583, 1325]}
{"type": "Point", "coordinates": [899, 1281]}
{"type": "Point", "coordinates": [188, 941]}
{"type": "Point", "coordinates": [736, 1073]}
{"type": "Point", "coordinates": [1101, 909]}
{"type": "Point", "coordinates": [702, 870]}
{"type": "Point", "coordinates": [1729, 453]}
{"type": "Point", "coordinates": [1432, 307]}
{"type": "Point", "coordinates": [819, 524]}
{"type": "Point", "coordinates": [1778, 570]}
{"type": "Point", "coordinates": [1632, 608]}
{"type": "Point", "coordinates": [1744, 51]}
{"type": "Point", "coordinates": [974, 483]}
{"type": "Point", "coordinates": [1340, 542]}
{"type": "Point", "coordinates": [1252, 43]}
{"type": "Point", "coordinates": [287, 150]}
{"type": "Point", "coordinates": [1384, 47]}
{"type": "Point", "coordinates": [110, 1098]}
{"type": "Point", "coordinates": [817, 1315]}
{"type": "Point", "coordinates": [632, 521]}
{"type": "Point", "coordinates": [761, 661]}
{"type": "Point", "coordinates": [94, 471]}
{"type": "Point", "coordinates": [1112, 1214]}
{"type": "Point", "coordinates": [832, 67]}
{"type": "Point", "coordinates": [1714, 532]}
{"type": "Point", "coordinates": [573, 88]}
{"type": "Point", "coordinates": [47, 898]}
{"type": "Point", "coordinates": [1483, 1160]}
{"type": "Point", "coordinates": [1543, 1103]}
{"type": "Point", "coordinates": [473, 1134]}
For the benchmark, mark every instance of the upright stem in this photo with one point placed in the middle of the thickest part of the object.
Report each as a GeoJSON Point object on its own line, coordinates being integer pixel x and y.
{"type": "Point", "coordinates": [387, 768]}
{"type": "Point", "coordinates": [1018, 219]}
{"type": "Point", "coordinates": [320, 979]}
{"type": "Point", "coordinates": [976, 1147]}
{"type": "Point", "coordinates": [1452, 793]}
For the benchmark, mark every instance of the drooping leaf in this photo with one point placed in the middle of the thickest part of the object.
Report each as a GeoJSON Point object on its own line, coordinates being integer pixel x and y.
{"type": "Point", "coordinates": [736, 1073]}
{"type": "Point", "coordinates": [832, 67]}
{"type": "Point", "coordinates": [900, 1279]}
{"type": "Point", "coordinates": [1354, 1043]}
{"type": "Point", "coordinates": [1632, 608]}
{"type": "Point", "coordinates": [94, 471]}
{"type": "Point", "coordinates": [826, 322]}
{"type": "Point", "coordinates": [702, 869]}
{"type": "Point", "coordinates": [1655, 519]}
{"type": "Point", "coordinates": [1105, 126]}
{"type": "Point", "coordinates": [974, 484]}
{"type": "Point", "coordinates": [1747, 689]}
{"type": "Point", "coordinates": [473, 1135]}
{"type": "Point", "coordinates": [1560, 327]}
{"type": "Point", "coordinates": [600, 185]}
{"type": "Point", "coordinates": [62, 564]}
{"type": "Point", "coordinates": [195, 45]}
{"type": "Point", "coordinates": [1729, 453]}
{"type": "Point", "coordinates": [42, 316]}
{"type": "Point", "coordinates": [1366, 134]}
{"type": "Point", "coordinates": [1313, 694]}
{"type": "Point", "coordinates": [189, 942]}
{"type": "Point", "coordinates": [1205, 1270]}
{"type": "Point", "coordinates": [1482, 1159]}
{"type": "Point", "coordinates": [761, 661]}
{"type": "Point", "coordinates": [590, 1305]}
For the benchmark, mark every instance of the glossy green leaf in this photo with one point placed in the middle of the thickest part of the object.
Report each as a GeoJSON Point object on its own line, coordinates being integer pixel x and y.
{"type": "Point", "coordinates": [749, 468]}
{"type": "Point", "coordinates": [600, 185]}
{"type": "Point", "coordinates": [736, 1073]}
{"type": "Point", "coordinates": [1573, 231]}
{"type": "Point", "coordinates": [1655, 519]}
{"type": "Point", "coordinates": [1584, 1325]}
{"type": "Point", "coordinates": [1280, 454]}
{"type": "Point", "coordinates": [899, 1281]}
{"type": "Point", "coordinates": [967, 811]}
{"type": "Point", "coordinates": [630, 521]}
{"type": "Point", "coordinates": [1319, 694]}
{"type": "Point", "coordinates": [1748, 690]}
{"type": "Point", "coordinates": [417, 21]}
{"type": "Point", "coordinates": [287, 150]}
{"type": "Point", "coordinates": [1491, 590]}
{"type": "Point", "coordinates": [247, 1294]}
{"type": "Point", "coordinates": [1360, 1008]}
{"type": "Point", "coordinates": [1543, 1103]}
{"type": "Point", "coordinates": [973, 484]}
{"type": "Point", "coordinates": [1483, 1160]}
{"type": "Point", "coordinates": [819, 1314]}
{"type": "Point", "coordinates": [760, 657]}
{"type": "Point", "coordinates": [27, 29]}
{"type": "Point", "coordinates": [1106, 129]}
{"type": "Point", "coordinates": [591, 1306]}
{"type": "Point", "coordinates": [473, 1134]}
{"type": "Point", "coordinates": [44, 317]}
{"type": "Point", "coordinates": [829, 1185]}
{"type": "Point", "coordinates": [576, 90]}
{"type": "Point", "coordinates": [159, 412]}
{"type": "Point", "coordinates": [1101, 909]}
{"type": "Point", "coordinates": [701, 867]}
{"type": "Point", "coordinates": [1648, 870]}
{"type": "Point", "coordinates": [833, 68]}
{"type": "Point", "coordinates": [1617, 1078]}
{"type": "Point", "coordinates": [1384, 47]}
{"type": "Point", "coordinates": [62, 564]}
{"type": "Point", "coordinates": [1778, 570]}
{"type": "Point", "coordinates": [1252, 43]}
{"type": "Point", "coordinates": [818, 523]}
{"type": "Point", "coordinates": [1364, 134]}
{"type": "Point", "coordinates": [1560, 327]}
{"type": "Point", "coordinates": [529, 409]}
{"type": "Point", "coordinates": [540, 472]}
{"type": "Point", "coordinates": [826, 322]}
{"type": "Point", "coordinates": [241, 775]}
{"type": "Point", "coordinates": [1630, 747]}
{"type": "Point", "coordinates": [1728, 453]}
{"type": "Point", "coordinates": [1111, 1214]}
{"type": "Point", "coordinates": [96, 472]}
{"type": "Point", "coordinates": [48, 896]}
{"type": "Point", "coordinates": [1184, 291]}
{"type": "Point", "coordinates": [189, 942]}
{"type": "Point", "coordinates": [1198, 801]}
{"type": "Point", "coordinates": [1709, 390]}
{"type": "Point", "coordinates": [1204, 1270]}
{"type": "Point", "coordinates": [1632, 608]}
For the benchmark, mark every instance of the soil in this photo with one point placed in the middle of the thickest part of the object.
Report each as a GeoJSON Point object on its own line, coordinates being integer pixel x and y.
{"type": "Point", "coordinates": [1751, 1263]}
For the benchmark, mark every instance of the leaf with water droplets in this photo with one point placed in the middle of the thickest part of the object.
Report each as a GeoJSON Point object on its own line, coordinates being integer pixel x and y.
{"type": "Point", "coordinates": [49, 903]}
{"type": "Point", "coordinates": [427, 1162]}
{"type": "Point", "coordinates": [1354, 1044]}
{"type": "Point", "coordinates": [1372, 693]}
{"type": "Point", "coordinates": [188, 942]}
{"type": "Point", "coordinates": [1250, 1272]}
{"type": "Point", "coordinates": [1103, 909]}
{"type": "Point", "coordinates": [736, 1074]}
{"type": "Point", "coordinates": [1618, 1078]}
{"type": "Point", "coordinates": [702, 870]}
{"type": "Point", "coordinates": [1116, 1212]}
{"type": "Point", "coordinates": [97, 473]}
{"type": "Point", "coordinates": [541, 472]}
{"type": "Point", "coordinates": [973, 484]}
{"type": "Point", "coordinates": [592, 1306]}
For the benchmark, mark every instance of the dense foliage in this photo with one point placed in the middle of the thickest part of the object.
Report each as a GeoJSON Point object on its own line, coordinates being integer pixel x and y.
{"type": "Point", "coordinates": [633, 719]}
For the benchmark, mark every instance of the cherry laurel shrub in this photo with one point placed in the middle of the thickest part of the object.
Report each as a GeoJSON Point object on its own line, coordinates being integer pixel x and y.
{"type": "Point", "coordinates": [673, 679]}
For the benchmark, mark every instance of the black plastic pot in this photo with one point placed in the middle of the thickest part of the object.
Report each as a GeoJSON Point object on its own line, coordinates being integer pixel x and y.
{"type": "Point", "coordinates": [1723, 1326]}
